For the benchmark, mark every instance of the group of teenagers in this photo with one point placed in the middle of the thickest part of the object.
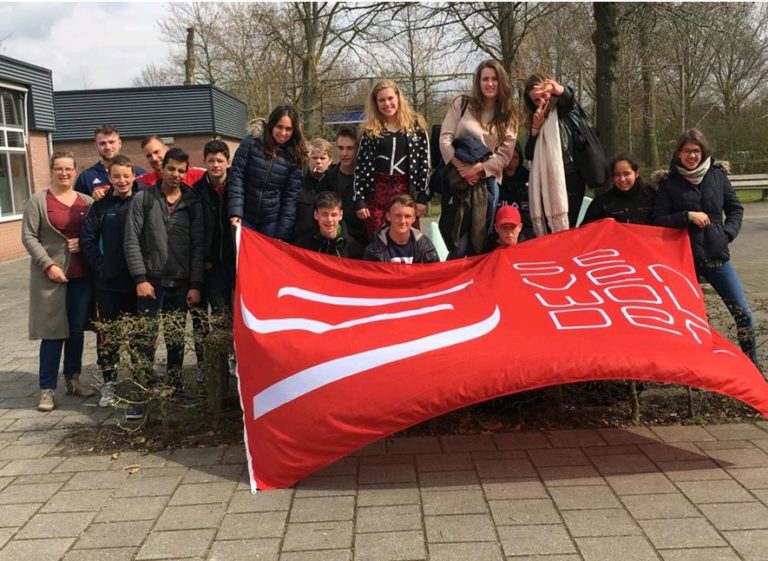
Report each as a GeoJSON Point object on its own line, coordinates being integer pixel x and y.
{"type": "Point", "coordinates": [162, 241]}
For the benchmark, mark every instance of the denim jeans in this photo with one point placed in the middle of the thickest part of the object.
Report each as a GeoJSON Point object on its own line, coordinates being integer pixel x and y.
{"type": "Point", "coordinates": [112, 305]}
{"type": "Point", "coordinates": [167, 300]}
{"type": "Point", "coordinates": [267, 229]}
{"type": "Point", "coordinates": [219, 284]}
{"type": "Point", "coordinates": [726, 283]}
{"type": "Point", "coordinates": [78, 301]}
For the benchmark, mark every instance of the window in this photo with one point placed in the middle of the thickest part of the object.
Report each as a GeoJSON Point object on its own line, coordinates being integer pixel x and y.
{"type": "Point", "coordinates": [14, 172]}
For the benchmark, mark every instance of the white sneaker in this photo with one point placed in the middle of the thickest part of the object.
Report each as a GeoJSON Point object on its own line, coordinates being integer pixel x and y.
{"type": "Point", "coordinates": [107, 394]}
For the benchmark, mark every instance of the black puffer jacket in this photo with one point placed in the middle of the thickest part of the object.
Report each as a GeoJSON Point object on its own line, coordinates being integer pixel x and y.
{"type": "Point", "coordinates": [264, 190]}
{"type": "Point", "coordinates": [714, 196]}
{"type": "Point", "coordinates": [162, 247]}
{"type": "Point", "coordinates": [634, 206]}
{"type": "Point", "coordinates": [220, 245]}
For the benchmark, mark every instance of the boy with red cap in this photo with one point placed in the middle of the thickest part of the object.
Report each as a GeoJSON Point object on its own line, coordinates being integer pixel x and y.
{"type": "Point", "coordinates": [507, 227]}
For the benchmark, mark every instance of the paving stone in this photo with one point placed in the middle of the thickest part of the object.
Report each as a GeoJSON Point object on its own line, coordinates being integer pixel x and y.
{"type": "Point", "coordinates": [377, 448]}
{"type": "Point", "coordinates": [5, 535]}
{"type": "Point", "coordinates": [477, 551]}
{"type": "Point", "coordinates": [252, 525]}
{"type": "Point", "coordinates": [449, 480]}
{"type": "Point", "coordinates": [26, 467]}
{"type": "Point", "coordinates": [214, 473]}
{"type": "Point", "coordinates": [521, 440]}
{"type": "Point", "coordinates": [322, 555]}
{"type": "Point", "coordinates": [96, 480]}
{"type": "Point", "coordinates": [575, 438]}
{"type": "Point", "coordinates": [327, 486]}
{"type": "Point", "coordinates": [751, 478]}
{"type": "Point", "coordinates": [736, 431]}
{"type": "Point", "coordinates": [343, 466]}
{"type": "Point", "coordinates": [135, 508]}
{"type": "Point", "coordinates": [641, 484]}
{"type": "Point", "coordinates": [524, 511]}
{"type": "Point", "coordinates": [568, 476]}
{"type": "Point", "coordinates": [558, 457]}
{"type": "Point", "coordinates": [84, 463]}
{"type": "Point", "coordinates": [584, 497]}
{"type": "Point", "coordinates": [245, 501]}
{"type": "Point", "coordinates": [386, 459]}
{"type": "Point", "coordinates": [264, 549]}
{"type": "Point", "coordinates": [183, 543]}
{"type": "Point", "coordinates": [740, 458]}
{"type": "Point", "coordinates": [680, 451]}
{"type": "Point", "coordinates": [751, 545]}
{"type": "Point", "coordinates": [322, 509]}
{"type": "Point", "coordinates": [624, 463]}
{"type": "Point", "coordinates": [395, 518]}
{"type": "Point", "coordinates": [699, 470]}
{"type": "Point", "coordinates": [563, 557]}
{"type": "Point", "coordinates": [444, 462]}
{"type": "Point", "coordinates": [390, 546]}
{"type": "Point", "coordinates": [33, 424]}
{"type": "Point", "coordinates": [17, 515]}
{"type": "Point", "coordinates": [234, 454]}
{"type": "Point", "coordinates": [460, 528]}
{"type": "Point", "coordinates": [681, 532]}
{"type": "Point", "coordinates": [190, 457]}
{"type": "Point", "coordinates": [202, 493]}
{"type": "Point", "coordinates": [68, 525]}
{"type": "Point", "coordinates": [146, 461]}
{"type": "Point", "coordinates": [14, 494]}
{"type": "Point", "coordinates": [628, 435]}
{"type": "Point", "coordinates": [700, 554]}
{"type": "Point", "coordinates": [35, 550]}
{"type": "Point", "coordinates": [736, 516]}
{"type": "Point", "coordinates": [600, 522]}
{"type": "Point", "coordinates": [5, 481]}
{"type": "Point", "coordinates": [454, 502]}
{"type": "Point", "coordinates": [396, 473]}
{"type": "Point", "coordinates": [77, 501]}
{"type": "Point", "coordinates": [147, 486]}
{"type": "Point", "coordinates": [467, 443]}
{"type": "Point", "coordinates": [727, 445]}
{"type": "Point", "coordinates": [715, 491]}
{"type": "Point", "coordinates": [318, 535]}
{"type": "Point", "coordinates": [415, 445]}
{"type": "Point", "coordinates": [535, 540]}
{"type": "Point", "coordinates": [659, 506]}
{"type": "Point", "coordinates": [114, 554]}
{"type": "Point", "coordinates": [516, 489]}
{"type": "Point", "coordinates": [680, 433]}
{"type": "Point", "coordinates": [505, 468]}
{"type": "Point", "coordinates": [388, 494]}
{"type": "Point", "coordinates": [114, 534]}
{"type": "Point", "coordinates": [24, 451]}
{"type": "Point", "coordinates": [611, 450]}
{"type": "Point", "coordinates": [624, 548]}
{"type": "Point", "coordinates": [190, 517]}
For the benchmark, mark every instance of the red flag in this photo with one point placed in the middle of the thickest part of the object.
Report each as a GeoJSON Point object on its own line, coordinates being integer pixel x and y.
{"type": "Point", "coordinates": [334, 354]}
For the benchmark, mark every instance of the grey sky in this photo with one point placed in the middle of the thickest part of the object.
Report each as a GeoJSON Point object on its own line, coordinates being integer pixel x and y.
{"type": "Point", "coordinates": [86, 45]}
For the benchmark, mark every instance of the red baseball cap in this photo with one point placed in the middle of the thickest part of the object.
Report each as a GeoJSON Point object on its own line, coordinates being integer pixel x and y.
{"type": "Point", "coordinates": [508, 214]}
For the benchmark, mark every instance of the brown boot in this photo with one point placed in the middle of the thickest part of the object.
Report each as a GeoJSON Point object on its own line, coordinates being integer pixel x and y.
{"type": "Point", "coordinates": [74, 387]}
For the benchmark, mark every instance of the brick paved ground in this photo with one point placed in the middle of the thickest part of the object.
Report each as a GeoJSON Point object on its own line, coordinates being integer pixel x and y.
{"type": "Point", "coordinates": [648, 493]}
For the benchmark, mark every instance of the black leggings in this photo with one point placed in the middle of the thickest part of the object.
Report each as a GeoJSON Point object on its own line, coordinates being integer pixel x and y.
{"type": "Point", "coordinates": [574, 185]}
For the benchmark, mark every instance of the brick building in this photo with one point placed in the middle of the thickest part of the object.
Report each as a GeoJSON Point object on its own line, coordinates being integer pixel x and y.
{"type": "Point", "coordinates": [26, 123]}
{"type": "Point", "coordinates": [185, 116]}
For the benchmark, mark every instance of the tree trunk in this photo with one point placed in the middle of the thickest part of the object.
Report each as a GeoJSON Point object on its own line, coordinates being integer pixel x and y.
{"type": "Point", "coordinates": [310, 82]}
{"type": "Point", "coordinates": [507, 34]}
{"type": "Point", "coordinates": [605, 39]}
{"type": "Point", "coordinates": [645, 30]}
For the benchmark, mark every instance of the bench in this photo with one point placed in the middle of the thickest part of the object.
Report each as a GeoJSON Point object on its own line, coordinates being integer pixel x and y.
{"type": "Point", "coordinates": [753, 182]}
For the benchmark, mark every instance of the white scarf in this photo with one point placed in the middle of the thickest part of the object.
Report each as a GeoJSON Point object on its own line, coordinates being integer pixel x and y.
{"type": "Point", "coordinates": [548, 196]}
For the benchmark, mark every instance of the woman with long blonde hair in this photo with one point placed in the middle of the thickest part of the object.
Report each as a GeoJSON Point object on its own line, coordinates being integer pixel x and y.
{"type": "Point", "coordinates": [393, 157]}
{"type": "Point", "coordinates": [487, 116]}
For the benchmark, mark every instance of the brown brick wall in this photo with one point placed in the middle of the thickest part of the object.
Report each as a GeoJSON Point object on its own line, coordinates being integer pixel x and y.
{"type": "Point", "coordinates": [85, 151]}
{"type": "Point", "coordinates": [40, 178]}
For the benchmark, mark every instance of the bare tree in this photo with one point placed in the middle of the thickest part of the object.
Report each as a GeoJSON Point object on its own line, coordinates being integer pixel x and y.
{"type": "Point", "coordinates": [606, 48]}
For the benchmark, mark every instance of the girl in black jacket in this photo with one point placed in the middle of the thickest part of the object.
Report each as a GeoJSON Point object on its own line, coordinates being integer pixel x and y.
{"type": "Point", "coordinates": [695, 195]}
{"type": "Point", "coordinates": [629, 200]}
{"type": "Point", "coordinates": [265, 176]}
{"type": "Point", "coordinates": [393, 157]}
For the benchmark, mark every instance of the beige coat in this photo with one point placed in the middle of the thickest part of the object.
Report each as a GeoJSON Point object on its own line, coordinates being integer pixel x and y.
{"type": "Point", "coordinates": [47, 246]}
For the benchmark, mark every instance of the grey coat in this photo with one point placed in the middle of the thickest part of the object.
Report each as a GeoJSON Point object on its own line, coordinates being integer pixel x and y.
{"type": "Point", "coordinates": [47, 246]}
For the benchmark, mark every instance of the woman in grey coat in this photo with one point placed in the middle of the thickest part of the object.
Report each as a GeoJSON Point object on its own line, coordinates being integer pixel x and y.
{"type": "Point", "coordinates": [59, 285]}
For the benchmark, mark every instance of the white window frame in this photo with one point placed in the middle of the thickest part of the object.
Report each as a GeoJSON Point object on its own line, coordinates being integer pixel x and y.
{"type": "Point", "coordinates": [24, 130]}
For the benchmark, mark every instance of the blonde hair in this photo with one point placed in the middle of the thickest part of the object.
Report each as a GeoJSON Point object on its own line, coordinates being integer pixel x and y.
{"type": "Point", "coordinates": [323, 145]}
{"type": "Point", "coordinates": [406, 119]}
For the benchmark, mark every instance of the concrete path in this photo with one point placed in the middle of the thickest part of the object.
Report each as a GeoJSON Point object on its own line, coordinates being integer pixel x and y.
{"type": "Point", "coordinates": [660, 493]}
